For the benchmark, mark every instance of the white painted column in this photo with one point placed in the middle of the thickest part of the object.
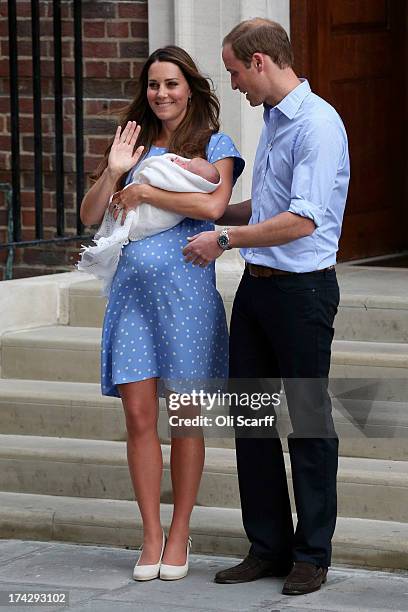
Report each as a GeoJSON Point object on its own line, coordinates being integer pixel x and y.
{"type": "Point", "coordinates": [161, 23]}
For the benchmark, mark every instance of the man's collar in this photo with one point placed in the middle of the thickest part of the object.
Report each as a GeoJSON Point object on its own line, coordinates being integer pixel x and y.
{"type": "Point", "coordinates": [290, 104]}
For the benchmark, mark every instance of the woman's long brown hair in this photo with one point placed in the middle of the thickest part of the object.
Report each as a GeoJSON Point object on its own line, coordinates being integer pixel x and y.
{"type": "Point", "coordinates": [200, 122]}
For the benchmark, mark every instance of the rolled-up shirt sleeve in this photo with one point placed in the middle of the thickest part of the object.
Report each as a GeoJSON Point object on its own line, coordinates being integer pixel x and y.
{"type": "Point", "coordinates": [316, 155]}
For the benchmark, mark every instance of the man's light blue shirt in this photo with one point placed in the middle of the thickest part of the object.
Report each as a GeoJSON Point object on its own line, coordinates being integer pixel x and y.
{"type": "Point", "coordinates": [301, 166]}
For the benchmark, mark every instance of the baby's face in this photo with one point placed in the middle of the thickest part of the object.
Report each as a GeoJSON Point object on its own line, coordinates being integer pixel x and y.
{"type": "Point", "coordinates": [199, 166]}
{"type": "Point", "coordinates": [182, 163]}
{"type": "Point", "coordinates": [192, 165]}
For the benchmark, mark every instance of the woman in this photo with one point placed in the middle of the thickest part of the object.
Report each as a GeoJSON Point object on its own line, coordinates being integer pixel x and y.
{"type": "Point", "coordinates": [164, 319]}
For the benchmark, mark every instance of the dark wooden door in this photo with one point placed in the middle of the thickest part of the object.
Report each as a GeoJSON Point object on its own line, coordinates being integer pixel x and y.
{"type": "Point", "coordinates": [354, 54]}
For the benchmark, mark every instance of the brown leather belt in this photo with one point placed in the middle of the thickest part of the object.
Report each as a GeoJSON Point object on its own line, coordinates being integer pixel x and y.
{"type": "Point", "coordinates": [265, 272]}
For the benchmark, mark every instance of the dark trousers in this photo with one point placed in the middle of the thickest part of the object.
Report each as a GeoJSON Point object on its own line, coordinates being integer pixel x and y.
{"type": "Point", "coordinates": [282, 328]}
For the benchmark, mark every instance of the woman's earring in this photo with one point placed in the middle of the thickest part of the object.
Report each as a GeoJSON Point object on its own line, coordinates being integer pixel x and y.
{"type": "Point", "coordinates": [189, 99]}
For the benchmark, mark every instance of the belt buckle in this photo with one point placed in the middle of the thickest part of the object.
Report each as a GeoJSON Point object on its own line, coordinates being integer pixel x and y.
{"type": "Point", "coordinates": [251, 270]}
{"type": "Point", "coordinates": [258, 271]}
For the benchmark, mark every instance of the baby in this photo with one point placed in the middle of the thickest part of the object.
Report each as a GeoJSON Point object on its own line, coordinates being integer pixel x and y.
{"type": "Point", "coordinates": [199, 166]}
{"type": "Point", "coordinates": [169, 172]}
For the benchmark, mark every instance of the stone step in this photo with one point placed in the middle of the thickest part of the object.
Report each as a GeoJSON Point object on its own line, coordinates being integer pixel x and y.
{"type": "Point", "coordinates": [373, 306]}
{"type": "Point", "coordinates": [86, 304]}
{"type": "Point", "coordinates": [357, 359]}
{"type": "Point", "coordinates": [60, 409]}
{"type": "Point", "coordinates": [72, 354]}
{"type": "Point", "coordinates": [55, 352]}
{"type": "Point", "coordinates": [367, 488]}
{"type": "Point", "coordinates": [215, 531]}
{"type": "Point", "coordinates": [366, 428]}
{"type": "Point", "coordinates": [374, 318]}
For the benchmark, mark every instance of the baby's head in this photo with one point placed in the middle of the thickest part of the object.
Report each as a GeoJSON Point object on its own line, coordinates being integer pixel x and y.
{"type": "Point", "coordinates": [200, 166]}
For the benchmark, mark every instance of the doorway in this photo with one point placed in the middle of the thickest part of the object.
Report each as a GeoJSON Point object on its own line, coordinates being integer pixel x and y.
{"type": "Point", "coordinates": [354, 53]}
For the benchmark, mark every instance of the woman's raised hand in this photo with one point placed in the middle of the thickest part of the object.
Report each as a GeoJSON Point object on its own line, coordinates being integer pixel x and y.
{"type": "Point", "coordinates": [121, 157]}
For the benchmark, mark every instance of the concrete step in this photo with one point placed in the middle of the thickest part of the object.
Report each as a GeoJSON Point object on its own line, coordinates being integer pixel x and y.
{"type": "Point", "coordinates": [86, 304]}
{"type": "Point", "coordinates": [357, 542]}
{"type": "Point", "coordinates": [60, 409]}
{"type": "Point", "coordinates": [357, 359]}
{"type": "Point", "coordinates": [72, 354]}
{"type": "Point", "coordinates": [373, 306]}
{"type": "Point", "coordinates": [57, 352]}
{"type": "Point", "coordinates": [376, 318]}
{"type": "Point", "coordinates": [366, 428]}
{"type": "Point", "coordinates": [367, 488]}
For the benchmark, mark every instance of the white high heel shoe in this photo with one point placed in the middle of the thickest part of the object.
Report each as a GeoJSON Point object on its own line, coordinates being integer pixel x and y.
{"type": "Point", "coordinates": [175, 572]}
{"type": "Point", "coordinates": [148, 572]}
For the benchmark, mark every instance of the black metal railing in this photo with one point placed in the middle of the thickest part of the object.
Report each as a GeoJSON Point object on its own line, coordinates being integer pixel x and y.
{"type": "Point", "coordinates": [13, 191]}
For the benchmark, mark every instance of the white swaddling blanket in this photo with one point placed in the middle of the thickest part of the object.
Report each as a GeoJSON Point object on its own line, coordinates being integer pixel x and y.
{"type": "Point", "coordinates": [146, 220]}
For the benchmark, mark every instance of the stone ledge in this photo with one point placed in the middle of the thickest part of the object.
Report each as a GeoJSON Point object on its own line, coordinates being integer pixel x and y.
{"type": "Point", "coordinates": [368, 488]}
{"type": "Point", "coordinates": [357, 542]}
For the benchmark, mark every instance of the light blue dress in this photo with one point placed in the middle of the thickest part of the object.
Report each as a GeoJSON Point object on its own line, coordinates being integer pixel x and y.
{"type": "Point", "coordinates": [164, 317]}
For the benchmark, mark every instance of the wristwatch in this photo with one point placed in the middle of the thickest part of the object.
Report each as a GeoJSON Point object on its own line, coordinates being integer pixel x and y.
{"type": "Point", "coordinates": [224, 240]}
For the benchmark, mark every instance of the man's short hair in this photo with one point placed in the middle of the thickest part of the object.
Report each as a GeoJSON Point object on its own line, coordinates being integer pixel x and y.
{"type": "Point", "coordinates": [260, 36]}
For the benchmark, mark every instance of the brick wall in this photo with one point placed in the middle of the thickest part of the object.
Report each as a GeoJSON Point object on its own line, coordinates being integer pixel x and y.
{"type": "Point", "coordinates": [114, 47]}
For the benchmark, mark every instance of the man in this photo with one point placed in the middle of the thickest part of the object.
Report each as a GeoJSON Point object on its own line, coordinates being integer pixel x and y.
{"type": "Point", "coordinates": [283, 313]}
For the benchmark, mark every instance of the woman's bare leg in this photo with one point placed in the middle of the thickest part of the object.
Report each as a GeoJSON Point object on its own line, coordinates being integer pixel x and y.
{"type": "Point", "coordinates": [187, 462]}
{"type": "Point", "coordinates": [145, 460]}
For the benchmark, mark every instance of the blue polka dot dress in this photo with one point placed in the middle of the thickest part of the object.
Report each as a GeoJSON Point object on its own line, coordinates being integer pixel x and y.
{"type": "Point", "coordinates": [164, 317]}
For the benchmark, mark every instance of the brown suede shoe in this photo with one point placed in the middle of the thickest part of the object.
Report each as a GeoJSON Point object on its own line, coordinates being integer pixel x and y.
{"type": "Point", "coordinates": [251, 568]}
{"type": "Point", "coordinates": [304, 578]}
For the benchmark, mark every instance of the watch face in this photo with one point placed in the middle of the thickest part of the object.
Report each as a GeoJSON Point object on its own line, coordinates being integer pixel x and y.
{"type": "Point", "coordinates": [223, 241]}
